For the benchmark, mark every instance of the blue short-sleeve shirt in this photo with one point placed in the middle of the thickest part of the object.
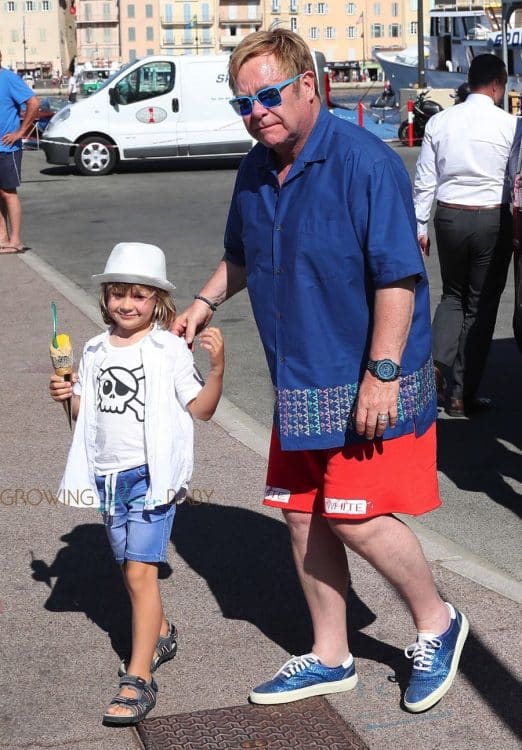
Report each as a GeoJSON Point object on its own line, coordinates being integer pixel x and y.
{"type": "Point", "coordinates": [13, 93]}
{"type": "Point", "coordinates": [315, 249]}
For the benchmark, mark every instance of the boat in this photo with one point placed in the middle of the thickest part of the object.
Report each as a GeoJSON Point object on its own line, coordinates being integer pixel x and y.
{"type": "Point", "coordinates": [457, 35]}
{"type": "Point", "coordinates": [400, 67]}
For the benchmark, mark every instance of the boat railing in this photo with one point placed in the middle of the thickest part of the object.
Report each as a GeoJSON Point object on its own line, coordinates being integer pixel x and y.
{"type": "Point", "coordinates": [486, 7]}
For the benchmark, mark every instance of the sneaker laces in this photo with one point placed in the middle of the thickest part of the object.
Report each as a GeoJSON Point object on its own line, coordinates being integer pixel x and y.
{"type": "Point", "coordinates": [297, 664]}
{"type": "Point", "coordinates": [423, 652]}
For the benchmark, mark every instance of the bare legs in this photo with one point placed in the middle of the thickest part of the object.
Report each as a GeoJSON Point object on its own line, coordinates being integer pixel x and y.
{"type": "Point", "coordinates": [10, 218]}
{"type": "Point", "coordinates": [320, 559]}
{"type": "Point", "coordinates": [388, 545]}
{"type": "Point", "coordinates": [148, 621]}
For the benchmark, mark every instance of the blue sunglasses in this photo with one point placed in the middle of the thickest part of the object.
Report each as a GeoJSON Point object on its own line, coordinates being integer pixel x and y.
{"type": "Point", "coordinates": [267, 97]}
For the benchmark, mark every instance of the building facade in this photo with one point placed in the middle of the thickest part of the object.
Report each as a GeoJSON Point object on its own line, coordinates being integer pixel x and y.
{"type": "Point", "coordinates": [139, 29]}
{"type": "Point", "coordinates": [348, 31]}
{"type": "Point", "coordinates": [42, 35]}
{"type": "Point", "coordinates": [98, 31]}
{"type": "Point", "coordinates": [38, 37]}
{"type": "Point", "coordinates": [189, 28]}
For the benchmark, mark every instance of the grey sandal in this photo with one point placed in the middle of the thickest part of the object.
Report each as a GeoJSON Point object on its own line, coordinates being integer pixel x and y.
{"type": "Point", "coordinates": [166, 649]}
{"type": "Point", "coordinates": [144, 701]}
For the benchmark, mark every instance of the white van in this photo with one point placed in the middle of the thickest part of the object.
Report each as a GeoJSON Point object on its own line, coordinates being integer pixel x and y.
{"type": "Point", "coordinates": [157, 107]}
{"type": "Point", "coordinates": [154, 108]}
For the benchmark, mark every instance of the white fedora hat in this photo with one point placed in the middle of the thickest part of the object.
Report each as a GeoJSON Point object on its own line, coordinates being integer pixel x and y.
{"type": "Point", "coordinates": [136, 263]}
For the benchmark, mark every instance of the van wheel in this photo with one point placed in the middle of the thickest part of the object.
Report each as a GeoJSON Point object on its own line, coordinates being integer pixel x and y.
{"type": "Point", "coordinates": [95, 156]}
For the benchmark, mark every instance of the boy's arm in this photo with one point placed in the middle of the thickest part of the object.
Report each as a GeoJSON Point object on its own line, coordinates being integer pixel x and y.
{"type": "Point", "coordinates": [205, 403]}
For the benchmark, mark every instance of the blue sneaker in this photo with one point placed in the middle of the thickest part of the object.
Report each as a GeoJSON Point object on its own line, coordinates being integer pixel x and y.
{"type": "Point", "coordinates": [435, 662]}
{"type": "Point", "coordinates": [302, 677]}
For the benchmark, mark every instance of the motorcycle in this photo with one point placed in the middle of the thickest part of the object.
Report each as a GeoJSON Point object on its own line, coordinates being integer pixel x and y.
{"type": "Point", "coordinates": [387, 99]}
{"type": "Point", "coordinates": [423, 109]}
{"type": "Point", "coordinates": [461, 94]}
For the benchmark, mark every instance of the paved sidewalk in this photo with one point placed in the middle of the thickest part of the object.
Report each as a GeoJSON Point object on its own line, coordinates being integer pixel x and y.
{"type": "Point", "coordinates": [229, 585]}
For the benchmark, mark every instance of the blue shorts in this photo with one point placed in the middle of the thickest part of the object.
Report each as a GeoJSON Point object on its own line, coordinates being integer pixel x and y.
{"type": "Point", "coordinates": [10, 169]}
{"type": "Point", "coordinates": [135, 533]}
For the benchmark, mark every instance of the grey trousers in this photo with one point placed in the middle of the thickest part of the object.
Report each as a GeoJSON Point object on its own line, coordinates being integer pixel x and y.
{"type": "Point", "coordinates": [475, 249]}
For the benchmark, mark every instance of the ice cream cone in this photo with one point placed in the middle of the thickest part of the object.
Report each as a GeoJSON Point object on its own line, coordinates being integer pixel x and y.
{"type": "Point", "coordinates": [62, 359]}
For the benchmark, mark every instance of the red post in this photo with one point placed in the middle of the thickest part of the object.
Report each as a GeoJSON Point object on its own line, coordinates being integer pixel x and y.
{"type": "Point", "coordinates": [410, 122]}
{"type": "Point", "coordinates": [360, 110]}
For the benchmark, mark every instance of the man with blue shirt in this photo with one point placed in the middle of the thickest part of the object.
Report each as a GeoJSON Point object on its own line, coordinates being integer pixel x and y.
{"type": "Point", "coordinates": [14, 93]}
{"type": "Point", "coordinates": [321, 231]}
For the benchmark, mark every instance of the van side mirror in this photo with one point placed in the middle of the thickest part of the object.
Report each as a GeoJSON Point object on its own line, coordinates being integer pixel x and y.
{"type": "Point", "coordinates": [113, 97]}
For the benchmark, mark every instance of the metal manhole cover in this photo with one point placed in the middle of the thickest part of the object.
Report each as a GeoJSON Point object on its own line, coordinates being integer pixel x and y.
{"type": "Point", "coordinates": [303, 725]}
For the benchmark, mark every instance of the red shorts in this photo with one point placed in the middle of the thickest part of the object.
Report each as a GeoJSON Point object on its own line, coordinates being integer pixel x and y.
{"type": "Point", "coordinates": [358, 481]}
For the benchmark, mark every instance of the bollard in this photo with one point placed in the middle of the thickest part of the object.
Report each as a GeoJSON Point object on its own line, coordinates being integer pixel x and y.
{"type": "Point", "coordinates": [360, 110]}
{"type": "Point", "coordinates": [410, 122]}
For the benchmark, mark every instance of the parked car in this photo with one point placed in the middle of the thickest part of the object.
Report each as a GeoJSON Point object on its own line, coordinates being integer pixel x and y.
{"type": "Point", "coordinates": [48, 108]}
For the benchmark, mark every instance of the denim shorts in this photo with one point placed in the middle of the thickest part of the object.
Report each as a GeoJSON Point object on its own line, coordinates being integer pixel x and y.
{"type": "Point", "coordinates": [135, 533]}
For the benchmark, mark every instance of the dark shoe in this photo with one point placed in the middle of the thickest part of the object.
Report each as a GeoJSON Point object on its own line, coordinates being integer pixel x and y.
{"type": "Point", "coordinates": [440, 385]}
{"type": "Point", "coordinates": [143, 702]}
{"type": "Point", "coordinates": [456, 407]}
{"type": "Point", "coordinates": [459, 407]}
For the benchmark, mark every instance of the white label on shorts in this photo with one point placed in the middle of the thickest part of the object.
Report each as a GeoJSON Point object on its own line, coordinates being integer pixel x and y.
{"type": "Point", "coordinates": [347, 507]}
{"type": "Point", "coordinates": [277, 494]}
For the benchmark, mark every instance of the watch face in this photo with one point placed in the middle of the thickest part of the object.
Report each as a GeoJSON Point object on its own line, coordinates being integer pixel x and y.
{"type": "Point", "coordinates": [385, 369]}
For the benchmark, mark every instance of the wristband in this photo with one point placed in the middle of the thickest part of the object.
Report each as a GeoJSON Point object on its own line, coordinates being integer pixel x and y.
{"type": "Point", "coordinates": [212, 305]}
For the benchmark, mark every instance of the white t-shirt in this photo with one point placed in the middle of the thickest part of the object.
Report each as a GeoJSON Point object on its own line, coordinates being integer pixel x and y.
{"type": "Point", "coordinates": [171, 383]}
{"type": "Point", "coordinates": [120, 410]}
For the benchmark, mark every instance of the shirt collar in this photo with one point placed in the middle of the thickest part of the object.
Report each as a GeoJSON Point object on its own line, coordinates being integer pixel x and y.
{"type": "Point", "coordinates": [484, 98]}
{"type": "Point", "coordinates": [315, 148]}
{"type": "Point", "coordinates": [100, 342]}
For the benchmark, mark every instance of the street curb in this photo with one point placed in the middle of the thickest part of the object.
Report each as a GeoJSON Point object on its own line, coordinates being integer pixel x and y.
{"type": "Point", "coordinates": [247, 431]}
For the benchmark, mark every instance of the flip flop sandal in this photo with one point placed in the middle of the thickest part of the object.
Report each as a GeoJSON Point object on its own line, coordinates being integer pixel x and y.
{"type": "Point", "coordinates": [166, 649]}
{"type": "Point", "coordinates": [11, 249]}
{"type": "Point", "coordinates": [144, 701]}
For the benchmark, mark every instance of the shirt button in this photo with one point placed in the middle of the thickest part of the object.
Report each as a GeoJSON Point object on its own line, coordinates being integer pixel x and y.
{"type": "Point", "coordinates": [279, 227]}
{"type": "Point", "coordinates": [282, 359]}
{"type": "Point", "coordinates": [278, 270]}
{"type": "Point", "coordinates": [278, 315]}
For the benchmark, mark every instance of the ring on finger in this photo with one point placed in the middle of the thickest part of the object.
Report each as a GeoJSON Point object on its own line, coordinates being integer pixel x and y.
{"type": "Point", "coordinates": [382, 418]}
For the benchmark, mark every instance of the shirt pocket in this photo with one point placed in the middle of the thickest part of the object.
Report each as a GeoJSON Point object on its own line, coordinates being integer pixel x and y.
{"type": "Point", "coordinates": [323, 250]}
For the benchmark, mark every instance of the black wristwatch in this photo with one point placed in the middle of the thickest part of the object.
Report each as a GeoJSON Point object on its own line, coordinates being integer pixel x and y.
{"type": "Point", "coordinates": [384, 369]}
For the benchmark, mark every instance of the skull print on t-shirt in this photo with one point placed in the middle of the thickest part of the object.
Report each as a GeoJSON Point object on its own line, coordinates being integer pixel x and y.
{"type": "Point", "coordinates": [118, 390]}
{"type": "Point", "coordinates": [120, 410]}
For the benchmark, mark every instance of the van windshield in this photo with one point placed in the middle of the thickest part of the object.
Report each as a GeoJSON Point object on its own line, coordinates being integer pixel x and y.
{"type": "Point", "coordinates": [116, 73]}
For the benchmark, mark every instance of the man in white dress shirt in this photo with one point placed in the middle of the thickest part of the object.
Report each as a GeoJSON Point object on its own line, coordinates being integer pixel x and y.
{"type": "Point", "coordinates": [463, 164]}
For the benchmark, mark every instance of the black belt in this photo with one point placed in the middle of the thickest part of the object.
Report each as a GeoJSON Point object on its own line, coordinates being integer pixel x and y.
{"type": "Point", "coordinates": [461, 207]}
